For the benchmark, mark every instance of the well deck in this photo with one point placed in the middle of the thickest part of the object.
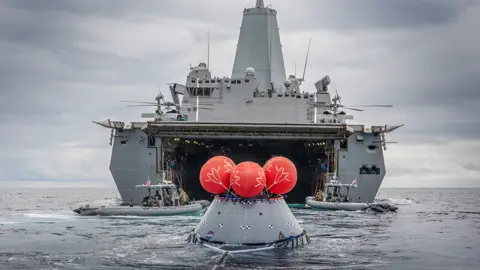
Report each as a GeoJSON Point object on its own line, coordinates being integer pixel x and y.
{"type": "Point", "coordinates": [205, 130]}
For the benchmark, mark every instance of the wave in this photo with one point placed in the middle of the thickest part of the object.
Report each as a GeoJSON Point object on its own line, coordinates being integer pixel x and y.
{"type": "Point", "coordinates": [399, 201]}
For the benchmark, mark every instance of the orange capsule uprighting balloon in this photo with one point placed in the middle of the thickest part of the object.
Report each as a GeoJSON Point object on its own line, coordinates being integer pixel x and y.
{"type": "Point", "coordinates": [215, 174]}
{"type": "Point", "coordinates": [280, 174]}
{"type": "Point", "coordinates": [248, 179]}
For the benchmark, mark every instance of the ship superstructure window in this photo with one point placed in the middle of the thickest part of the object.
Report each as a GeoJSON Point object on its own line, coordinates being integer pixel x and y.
{"type": "Point", "coordinates": [369, 169]}
{"type": "Point", "coordinates": [201, 91]}
{"type": "Point", "coordinates": [207, 91]}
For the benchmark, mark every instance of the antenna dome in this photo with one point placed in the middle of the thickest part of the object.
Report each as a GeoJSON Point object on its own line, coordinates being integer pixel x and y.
{"type": "Point", "coordinates": [250, 70]}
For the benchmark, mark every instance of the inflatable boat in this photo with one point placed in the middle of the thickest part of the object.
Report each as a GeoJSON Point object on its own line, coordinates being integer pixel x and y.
{"type": "Point", "coordinates": [149, 211]}
{"type": "Point", "coordinates": [336, 197]}
{"type": "Point", "coordinates": [165, 202]}
{"type": "Point", "coordinates": [348, 206]}
{"type": "Point", "coordinates": [118, 210]}
{"type": "Point", "coordinates": [345, 206]}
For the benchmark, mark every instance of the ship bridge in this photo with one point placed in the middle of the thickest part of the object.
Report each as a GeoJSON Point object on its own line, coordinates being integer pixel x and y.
{"type": "Point", "coordinates": [206, 130]}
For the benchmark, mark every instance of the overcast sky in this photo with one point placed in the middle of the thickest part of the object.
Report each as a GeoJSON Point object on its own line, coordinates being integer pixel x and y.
{"type": "Point", "coordinates": [66, 63]}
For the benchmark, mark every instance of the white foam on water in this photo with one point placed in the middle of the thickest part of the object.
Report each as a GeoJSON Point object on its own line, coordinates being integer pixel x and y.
{"type": "Point", "coordinates": [37, 217]}
{"type": "Point", "coordinates": [166, 218]}
{"type": "Point", "coordinates": [99, 203]}
{"type": "Point", "coordinates": [128, 217]}
{"type": "Point", "coordinates": [6, 222]}
{"type": "Point", "coordinates": [49, 216]}
{"type": "Point", "coordinates": [400, 201]}
{"type": "Point", "coordinates": [59, 215]}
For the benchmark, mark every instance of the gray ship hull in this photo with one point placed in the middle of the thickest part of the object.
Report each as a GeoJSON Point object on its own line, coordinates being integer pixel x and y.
{"type": "Point", "coordinates": [134, 161]}
{"type": "Point", "coordinates": [256, 114]}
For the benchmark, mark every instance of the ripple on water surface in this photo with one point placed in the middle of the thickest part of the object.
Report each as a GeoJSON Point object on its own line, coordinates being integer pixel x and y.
{"type": "Point", "coordinates": [39, 231]}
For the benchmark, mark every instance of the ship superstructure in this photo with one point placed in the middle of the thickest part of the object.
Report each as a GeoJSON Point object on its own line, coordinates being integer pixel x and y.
{"type": "Point", "coordinates": [254, 115]}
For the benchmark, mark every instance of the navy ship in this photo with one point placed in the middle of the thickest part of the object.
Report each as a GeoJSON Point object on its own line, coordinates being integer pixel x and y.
{"type": "Point", "coordinates": [256, 114]}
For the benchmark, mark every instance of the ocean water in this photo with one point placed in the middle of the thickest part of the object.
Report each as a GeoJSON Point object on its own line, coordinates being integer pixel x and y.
{"type": "Point", "coordinates": [433, 229]}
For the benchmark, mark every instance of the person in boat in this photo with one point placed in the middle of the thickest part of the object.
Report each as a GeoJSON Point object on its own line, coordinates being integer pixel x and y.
{"type": "Point", "coordinates": [157, 198]}
{"type": "Point", "coordinates": [167, 198]}
{"type": "Point", "coordinates": [329, 196]}
{"type": "Point", "coordinates": [319, 196]}
{"type": "Point", "coordinates": [157, 195]}
{"type": "Point", "coordinates": [150, 201]}
{"type": "Point", "coordinates": [183, 197]}
{"type": "Point", "coordinates": [145, 201]}
{"type": "Point", "coordinates": [335, 191]}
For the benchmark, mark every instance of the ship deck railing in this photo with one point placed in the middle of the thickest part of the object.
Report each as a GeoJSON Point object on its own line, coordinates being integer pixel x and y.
{"type": "Point", "coordinates": [214, 130]}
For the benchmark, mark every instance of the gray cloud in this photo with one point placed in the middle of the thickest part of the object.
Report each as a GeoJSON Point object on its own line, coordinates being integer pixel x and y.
{"type": "Point", "coordinates": [103, 8]}
{"type": "Point", "coordinates": [393, 14]}
{"type": "Point", "coordinates": [339, 15]}
{"type": "Point", "coordinates": [65, 63]}
{"type": "Point", "coordinates": [472, 167]}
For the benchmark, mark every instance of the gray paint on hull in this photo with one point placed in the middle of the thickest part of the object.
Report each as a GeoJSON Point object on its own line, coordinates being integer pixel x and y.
{"type": "Point", "coordinates": [259, 47]}
{"type": "Point", "coordinates": [131, 164]}
{"type": "Point", "coordinates": [351, 160]}
{"type": "Point", "coordinates": [134, 161]}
